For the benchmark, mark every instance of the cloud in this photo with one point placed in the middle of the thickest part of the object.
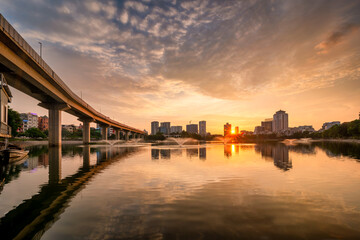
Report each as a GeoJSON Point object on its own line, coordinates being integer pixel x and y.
{"type": "Point", "coordinates": [138, 6]}
{"type": "Point", "coordinates": [124, 17]}
{"type": "Point", "coordinates": [218, 52]}
{"type": "Point", "coordinates": [337, 37]}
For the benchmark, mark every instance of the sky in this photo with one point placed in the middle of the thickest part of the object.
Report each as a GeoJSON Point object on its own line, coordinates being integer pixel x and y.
{"type": "Point", "coordinates": [182, 61]}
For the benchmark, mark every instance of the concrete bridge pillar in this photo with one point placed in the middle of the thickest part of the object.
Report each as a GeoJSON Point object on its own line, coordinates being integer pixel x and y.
{"type": "Point", "coordinates": [104, 131]}
{"type": "Point", "coordinates": [86, 129]}
{"type": "Point", "coordinates": [117, 134]}
{"type": "Point", "coordinates": [127, 135]}
{"type": "Point", "coordinates": [54, 127]}
{"type": "Point", "coordinates": [54, 121]}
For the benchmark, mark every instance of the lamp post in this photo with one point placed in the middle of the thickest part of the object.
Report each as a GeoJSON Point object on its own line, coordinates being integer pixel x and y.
{"type": "Point", "coordinates": [40, 49]}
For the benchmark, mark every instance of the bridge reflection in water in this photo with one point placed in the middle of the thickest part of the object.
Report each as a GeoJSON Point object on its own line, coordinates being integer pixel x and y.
{"type": "Point", "coordinates": [34, 216]}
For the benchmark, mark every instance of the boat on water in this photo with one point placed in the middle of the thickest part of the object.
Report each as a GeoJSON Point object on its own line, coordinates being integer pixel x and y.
{"type": "Point", "coordinates": [13, 153]}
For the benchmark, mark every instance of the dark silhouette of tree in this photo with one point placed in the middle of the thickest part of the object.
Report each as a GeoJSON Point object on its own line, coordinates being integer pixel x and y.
{"type": "Point", "coordinates": [14, 121]}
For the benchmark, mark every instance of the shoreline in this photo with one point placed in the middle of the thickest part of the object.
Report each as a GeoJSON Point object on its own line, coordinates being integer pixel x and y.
{"type": "Point", "coordinates": [29, 143]}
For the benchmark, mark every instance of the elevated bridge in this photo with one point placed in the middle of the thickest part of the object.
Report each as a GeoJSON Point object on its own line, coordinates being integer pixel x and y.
{"type": "Point", "coordinates": [26, 71]}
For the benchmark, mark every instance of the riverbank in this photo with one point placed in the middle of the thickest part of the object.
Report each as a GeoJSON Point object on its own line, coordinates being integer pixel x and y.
{"type": "Point", "coordinates": [29, 143]}
{"type": "Point", "coordinates": [336, 140]}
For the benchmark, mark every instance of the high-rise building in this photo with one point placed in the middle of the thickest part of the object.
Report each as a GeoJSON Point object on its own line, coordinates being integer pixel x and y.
{"type": "Point", "coordinates": [30, 120]}
{"type": "Point", "coordinates": [236, 130]}
{"type": "Point", "coordinates": [267, 124]}
{"type": "Point", "coordinates": [192, 128]}
{"type": "Point", "coordinates": [154, 127]}
{"type": "Point", "coordinates": [202, 128]}
{"type": "Point", "coordinates": [175, 129]}
{"type": "Point", "coordinates": [165, 125]}
{"type": "Point", "coordinates": [43, 123]}
{"type": "Point", "coordinates": [227, 129]}
{"type": "Point", "coordinates": [163, 130]}
{"type": "Point", "coordinates": [280, 121]}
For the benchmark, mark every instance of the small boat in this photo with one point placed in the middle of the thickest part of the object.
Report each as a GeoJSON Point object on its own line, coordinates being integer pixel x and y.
{"type": "Point", "coordinates": [13, 153]}
{"type": "Point", "coordinates": [17, 153]}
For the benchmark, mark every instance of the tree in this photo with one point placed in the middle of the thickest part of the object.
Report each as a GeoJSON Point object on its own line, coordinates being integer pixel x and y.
{"type": "Point", "coordinates": [94, 133]}
{"type": "Point", "coordinates": [34, 133]}
{"type": "Point", "coordinates": [158, 136]}
{"type": "Point", "coordinates": [14, 121]}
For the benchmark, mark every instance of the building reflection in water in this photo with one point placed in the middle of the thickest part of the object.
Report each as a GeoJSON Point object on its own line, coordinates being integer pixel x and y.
{"type": "Point", "coordinates": [155, 154]}
{"type": "Point", "coordinates": [167, 154]}
{"type": "Point", "coordinates": [176, 152]}
{"type": "Point", "coordinates": [279, 153]}
{"type": "Point", "coordinates": [192, 152]}
{"type": "Point", "coordinates": [228, 150]}
{"type": "Point", "coordinates": [202, 153]}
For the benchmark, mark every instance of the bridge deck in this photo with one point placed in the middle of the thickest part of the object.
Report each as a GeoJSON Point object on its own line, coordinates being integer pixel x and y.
{"type": "Point", "coordinates": [26, 71]}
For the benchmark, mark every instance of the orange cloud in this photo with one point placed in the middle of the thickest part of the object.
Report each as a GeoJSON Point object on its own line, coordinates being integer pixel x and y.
{"type": "Point", "coordinates": [336, 37]}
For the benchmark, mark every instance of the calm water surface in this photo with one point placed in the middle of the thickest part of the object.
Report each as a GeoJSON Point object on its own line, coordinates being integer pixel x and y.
{"type": "Point", "coordinates": [240, 191]}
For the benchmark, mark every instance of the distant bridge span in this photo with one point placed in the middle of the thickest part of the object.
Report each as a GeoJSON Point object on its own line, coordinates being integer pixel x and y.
{"type": "Point", "coordinates": [26, 71]}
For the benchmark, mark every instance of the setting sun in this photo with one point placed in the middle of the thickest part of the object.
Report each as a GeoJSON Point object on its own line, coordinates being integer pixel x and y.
{"type": "Point", "coordinates": [233, 131]}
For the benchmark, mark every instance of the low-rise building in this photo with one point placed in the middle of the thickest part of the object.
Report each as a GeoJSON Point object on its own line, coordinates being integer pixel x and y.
{"type": "Point", "coordinates": [70, 128]}
{"type": "Point", "coordinates": [259, 130]}
{"type": "Point", "coordinates": [43, 123]}
{"type": "Point", "coordinates": [328, 125]}
{"type": "Point", "coordinates": [5, 98]}
{"type": "Point", "coordinates": [306, 128]}
{"type": "Point", "coordinates": [30, 120]}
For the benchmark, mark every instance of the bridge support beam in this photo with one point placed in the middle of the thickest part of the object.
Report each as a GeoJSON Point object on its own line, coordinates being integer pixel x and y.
{"type": "Point", "coordinates": [54, 121]}
{"type": "Point", "coordinates": [127, 135]}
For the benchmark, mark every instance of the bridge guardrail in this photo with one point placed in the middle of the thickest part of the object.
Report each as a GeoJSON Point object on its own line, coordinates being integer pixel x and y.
{"type": "Point", "coordinates": [6, 26]}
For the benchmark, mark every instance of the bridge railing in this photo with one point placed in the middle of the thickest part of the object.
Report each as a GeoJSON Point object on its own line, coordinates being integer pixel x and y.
{"type": "Point", "coordinates": [6, 26]}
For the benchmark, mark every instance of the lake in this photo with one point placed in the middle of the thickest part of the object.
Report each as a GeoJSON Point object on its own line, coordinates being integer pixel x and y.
{"type": "Point", "coordinates": [210, 191]}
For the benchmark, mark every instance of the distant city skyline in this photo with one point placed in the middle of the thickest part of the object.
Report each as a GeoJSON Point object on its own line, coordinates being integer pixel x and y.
{"type": "Point", "coordinates": [139, 61]}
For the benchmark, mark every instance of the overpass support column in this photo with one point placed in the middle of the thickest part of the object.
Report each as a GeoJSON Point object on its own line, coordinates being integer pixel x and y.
{"type": "Point", "coordinates": [86, 132]}
{"type": "Point", "coordinates": [86, 129]}
{"type": "Point", "coordinates": [127, 134]}
{"type": "Point", "coordinates": [117, 134]}
{"type": "Point", "coordinates": [54, 121]}
{"type": "Point", "coordinates": [104, 132]}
